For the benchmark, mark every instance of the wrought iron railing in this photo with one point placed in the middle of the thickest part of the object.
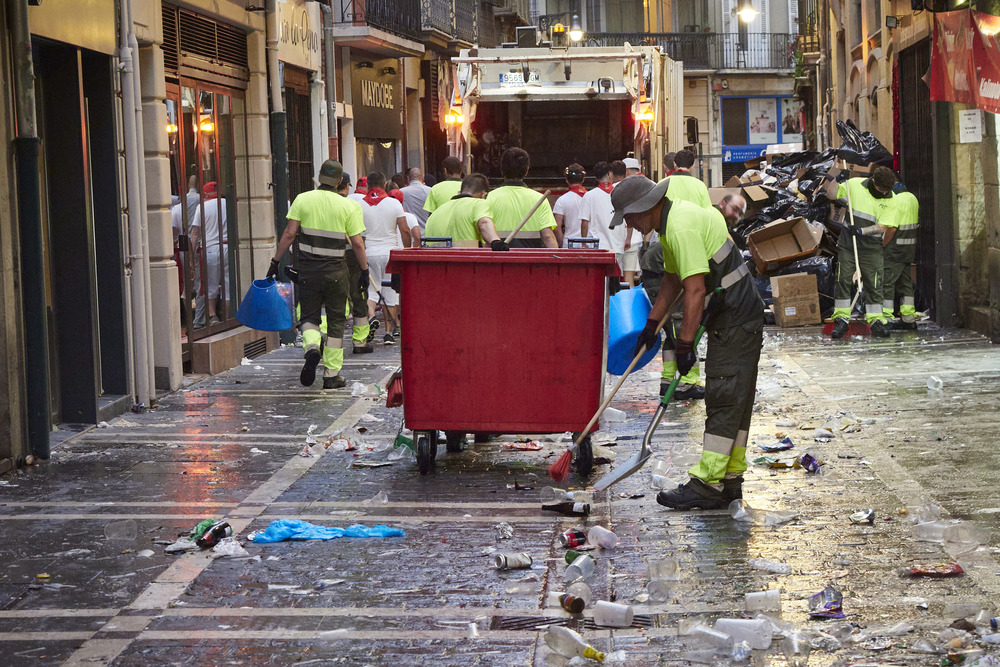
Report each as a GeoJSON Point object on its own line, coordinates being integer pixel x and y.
{"type": "Point", "coordinates": [436, 15]}
{"type": "Point", "coordinates": [399, 16]}
{"type": "Point", "coordinates": [466, 20]}
{"type": "Point", "coordinates": [711, 51]}
{"type": "Point", "coordinates": [808, 38]}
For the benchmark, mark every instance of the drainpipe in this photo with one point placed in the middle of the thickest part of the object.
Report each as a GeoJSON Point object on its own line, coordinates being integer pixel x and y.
{"type": "Point", "coordinates": [29, 215]}
{"type": "Point", "coordinates": [330, 81]}
{"type": "Point", "coordinates": [279, 149]}
{"type": "Point", "coordinates": [138, 257]}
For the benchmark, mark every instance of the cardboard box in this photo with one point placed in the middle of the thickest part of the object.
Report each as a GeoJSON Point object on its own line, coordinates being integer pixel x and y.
{"type": "Point", "coordinates": [757, 198]}
{"type": "Point", "coordinates": [795, 300]}
{"type": "Point", "coordinates": [717, 194]}
{"type": "Point", "coordinates": [782, 242]}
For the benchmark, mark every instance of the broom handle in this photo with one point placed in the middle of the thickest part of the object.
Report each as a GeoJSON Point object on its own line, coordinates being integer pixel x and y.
{"type": "Point", "coordinates": [525, 219]}
{"type": "Point", "coordinates": [614, 390]}
{"type": "Point", "coordinates": [857, 261]}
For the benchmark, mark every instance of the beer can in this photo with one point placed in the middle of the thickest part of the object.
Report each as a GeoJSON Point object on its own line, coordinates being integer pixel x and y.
{"type": "Point", "coordinates": [573, 538]}
{"type": "Point", "coordinates": [512, 561]}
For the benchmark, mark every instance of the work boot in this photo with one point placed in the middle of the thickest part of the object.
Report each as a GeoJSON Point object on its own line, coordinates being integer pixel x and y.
{"type": "Point", "coordinates": [696, 494]}
{"type": "Point", "coordinates": [732, 488]}
{"type": "Point", "coordinates": [308, 374]}
{"type": "Point", "coordinates": [691, 392]}
{"type": "Point", "coordinates": [336, 382]}
{"type": "Point", "coordinates": [363, 349]}
{"type": "Point", "coordinates": [879, 329]}
{"type": "Point", "coordinates": [840, 327]}
{"type": "Point", "coordinates": [900, 325]}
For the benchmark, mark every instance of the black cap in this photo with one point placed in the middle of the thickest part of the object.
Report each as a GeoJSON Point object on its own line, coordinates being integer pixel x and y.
{"type": "Point", "coordinates": [330, 173]}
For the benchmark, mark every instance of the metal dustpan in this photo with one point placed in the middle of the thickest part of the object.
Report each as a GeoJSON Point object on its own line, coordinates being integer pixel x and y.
{"type": "Point", "coordinates": [637, 460]}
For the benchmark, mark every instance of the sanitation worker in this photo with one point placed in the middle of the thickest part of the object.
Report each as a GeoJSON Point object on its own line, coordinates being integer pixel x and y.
{"type": "Point", "coordinates": [700, 258]}
{"type": "Point", "coordinates": [466, 217]}
{"type": "Point", "coordinates": [512, 201]}
{"type": "Point", "coordinates": [448, 187]}
{"type": "Point", "coordinates": [687, 186]}
{"type": "Point", "coordinates": [874, 225]}
{"type": "Point", "coordinates": [731, 208]}
{"type": "Point", "coordinates": [322, 224]}
{"type": "Point", "coordinates": [900, 252]}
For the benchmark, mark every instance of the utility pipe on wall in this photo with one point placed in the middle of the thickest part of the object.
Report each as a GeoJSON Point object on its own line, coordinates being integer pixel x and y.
{"type": "Point", "coordinates": [330, 81]}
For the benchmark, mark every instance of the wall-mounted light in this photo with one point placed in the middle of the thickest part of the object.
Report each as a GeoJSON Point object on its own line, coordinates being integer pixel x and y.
{"type": "Point", "coordinates": [389, 70]}
{"type": "Point", "coordinates": [454, 117]}
{"type": "Point", "coordinates": [575, 31]}
{"type": "Point", "coordinates": [364, 64]}
{"type": "Point", "coordinates": [746, 11]}
{"type": "Point", "coordinates": [891, 21]}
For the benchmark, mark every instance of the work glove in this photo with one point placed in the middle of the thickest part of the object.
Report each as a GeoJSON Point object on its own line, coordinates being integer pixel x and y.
{"type": "Point", "coordinates": [272, 271]}
{"type": "Point", "coordinates": [647, 337]}
{"type": "Point", "coordinates": [499, 246]}
{"type": "Point", "coordinates": [363, 280]}
{"type": "Point", "coordinates": [684, 354]}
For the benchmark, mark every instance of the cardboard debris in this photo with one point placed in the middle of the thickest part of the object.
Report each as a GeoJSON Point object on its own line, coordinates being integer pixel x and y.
{"type": "Point", "coordinates": [795, 300]}
{"type": "Point", "coordinates": [782, 242]}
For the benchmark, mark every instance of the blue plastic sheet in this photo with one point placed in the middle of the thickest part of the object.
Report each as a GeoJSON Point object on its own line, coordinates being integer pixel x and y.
{"type": "Point", "coordinates": [293, 529]}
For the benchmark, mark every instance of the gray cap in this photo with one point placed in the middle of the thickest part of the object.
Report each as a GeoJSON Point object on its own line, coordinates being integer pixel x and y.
{"type": "Point", "coordinates": [636, 194]}
{"type": "Point", "coordinates": [330, 173]}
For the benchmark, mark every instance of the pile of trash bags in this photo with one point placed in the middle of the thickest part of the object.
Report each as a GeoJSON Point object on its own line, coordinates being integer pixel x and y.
{"type": "Point", "coordinates": [793, 194]}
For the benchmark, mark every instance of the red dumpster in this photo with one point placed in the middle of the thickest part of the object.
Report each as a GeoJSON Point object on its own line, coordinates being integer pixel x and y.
{"type": "Point", "coordinates": [501, 342]}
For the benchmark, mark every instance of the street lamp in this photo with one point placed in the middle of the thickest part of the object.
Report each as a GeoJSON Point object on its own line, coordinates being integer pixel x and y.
{"type": "Point", "coordinates": [575, 31]}
{"type": "Point", "coordinates": [746, 11]}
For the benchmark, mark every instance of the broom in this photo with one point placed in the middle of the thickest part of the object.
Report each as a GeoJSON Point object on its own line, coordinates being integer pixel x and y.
{"type": "Point", "coordinates": [854, 328]}
{"type": "Point", "coordinates": [394, 390]}
{"type": "Point", "coordinates": [527, 217]}
{"type": "Point", "coordinates": [559, 470]}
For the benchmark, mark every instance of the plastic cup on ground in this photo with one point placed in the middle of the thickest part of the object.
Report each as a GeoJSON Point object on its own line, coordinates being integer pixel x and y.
{"type": "Point", "coordinates": [612, 614]}
{"type": "Point", "coordinates": [658, 590]}
{"type": "Point", "coordinates": [581, 590]}
{"type": "Point", "coordinates": [121, 530]}
{"type": "Point", "coordinates": [754, 631]}
{"type": "Point", "coordinates": [583, 566]}
{"type": "Point", "coordinates": [602, 537]}
{"type": "Point", "coordinates": [763, 601]}
{"type": "Point", "coordinates": [705, 637]}
{"type": "Point", "coordinates": [660, 467]}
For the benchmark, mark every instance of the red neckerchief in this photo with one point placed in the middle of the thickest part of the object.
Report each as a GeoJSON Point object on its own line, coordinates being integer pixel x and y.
{"type": "Point", "coordinates": [607, 186]}
{"type": "Point", "coordinates": [679, 170]}
{"type": "Point", "coordinates": [578, 189]}
{"type": "Point", "coordinates": [374, 196]}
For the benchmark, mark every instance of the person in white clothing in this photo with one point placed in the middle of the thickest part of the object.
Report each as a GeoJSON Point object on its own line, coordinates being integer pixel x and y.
{"type": "Point", "coordinates": [209, 232]}
{"type": "Point", "coordinates": [567, 207]}
{"type": "Point", "coordinates": [412, 221]}
{"type": "Point", "coordinates": [596, 212]}
{"type": "Point", "coordinates": [383, 216]}
{"type": "Point", "coordinates": [629, 261]}
{"type": "Point", "coordinates": [415, 195]}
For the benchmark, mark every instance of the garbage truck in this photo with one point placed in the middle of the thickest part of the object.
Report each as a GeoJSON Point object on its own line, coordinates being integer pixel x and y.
{"type": "Point", "coordinates": [570, 104]}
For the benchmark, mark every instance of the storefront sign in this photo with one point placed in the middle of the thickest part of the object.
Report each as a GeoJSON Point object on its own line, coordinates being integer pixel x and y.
{"type": "Point", "coordinates": [965, 60]}
{"type": "Point", "coordinates": [299, 27]}
{"type": "Point", "coordinates": [377, 99]}
{"type": "Point", "coordinates": [89, 24]}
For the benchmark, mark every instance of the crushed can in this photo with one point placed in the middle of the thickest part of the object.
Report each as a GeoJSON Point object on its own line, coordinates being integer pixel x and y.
{"type": "Point", "coordinates": [512, 561]}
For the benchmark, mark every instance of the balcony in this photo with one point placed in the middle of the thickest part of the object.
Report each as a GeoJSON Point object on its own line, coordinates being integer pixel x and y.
{"type": "Point", "coordinates": [712, 51]}
{"type": "Point", "coordinates": [450, 23]}
{"type": "Point", "coordinates": [401, 17]}
{"type": "Point", "coordinates": [808, 39]}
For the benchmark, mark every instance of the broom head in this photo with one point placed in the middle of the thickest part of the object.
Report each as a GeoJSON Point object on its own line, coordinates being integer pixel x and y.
{"type": "Point", "coordinates": [855, 328]}
{"type": "Point", "coordinates": [559, 470]}
{"type": "Point", "coordinates": [394, 390]}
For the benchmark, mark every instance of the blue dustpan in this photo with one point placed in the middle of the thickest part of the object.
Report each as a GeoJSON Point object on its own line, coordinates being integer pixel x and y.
{"type": "Point", "coordinates": [628, 311]}
{"type": "Point", "coordinates": [264, 308]}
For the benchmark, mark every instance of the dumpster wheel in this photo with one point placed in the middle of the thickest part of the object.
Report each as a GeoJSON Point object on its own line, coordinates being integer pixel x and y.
{"type": "Point", "coordinates": [426, 451]}
{"type": "Point", "coordinates": [584, 456]}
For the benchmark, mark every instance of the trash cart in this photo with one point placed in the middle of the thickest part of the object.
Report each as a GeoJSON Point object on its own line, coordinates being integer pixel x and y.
{"type": "Point", "coordinates": [501, 342]}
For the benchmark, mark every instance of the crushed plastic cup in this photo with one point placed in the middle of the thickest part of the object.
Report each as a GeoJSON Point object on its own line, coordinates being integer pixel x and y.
{"type": "Point", "coordinates": [659, 590]}
{"type": "Point", "coordinates": [929, 531]}
{"type": "Point", "coordinates": [359, 389]}
{"type": "Point", "coordinates": [754, 631]}
{"type": "Point", "coordinates": [934, 383]}
{"type": "Point", "coordinates": [863, 516]}
{"type": "Point", "coordinates": [613, 415]}
{"type": "Point", "coordinates": [796, 649]}
{"type": "Point", "coordinates": [742, 512]}
{"type": "Point", "coordinates": [612, 615]}
{"type": "Point", "coordinates": [768, 565]}
{"type": "Point", "coordinates": [702, 636]}
{"type": "Point", "coordinates": [121, 530]}
{"type": "Point", "coordinates": [964, 536]}
{"type": "Point", "coordinates": [665, 568]}
{"type": "Point", "coordinates": [769, 600]}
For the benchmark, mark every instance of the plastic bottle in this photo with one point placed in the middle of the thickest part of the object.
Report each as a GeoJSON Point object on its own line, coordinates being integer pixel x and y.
{"type": "Point", "coordinates": [602, 537]}
{"type": "Point", "coordinates": [214, 535]}
{"type": "Point", "coordinates": [569, 508]}
{"type": "Point", "coordinates": [754, 631]}
{"type": "Point", "coordinates": [551, 494]}
{"type": "Point", "coordinates": [582, 566]}
{"type": "Point", "coordinates": [796, 649]}
{"type": "Point", "coordinates": [929, 531]}
{"type": "Point", "coordinates": [512, 561]}
{"type": "Point", "coordinates": [768, 565]}
{"type": "Point", "coordinates": [570, 644]}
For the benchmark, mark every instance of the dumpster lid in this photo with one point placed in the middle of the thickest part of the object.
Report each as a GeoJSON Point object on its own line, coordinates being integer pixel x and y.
{"type": "Point", "coordinates": [536, 256]}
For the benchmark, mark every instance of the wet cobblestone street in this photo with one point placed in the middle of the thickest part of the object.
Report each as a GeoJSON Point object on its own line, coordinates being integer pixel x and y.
{"type": "Point", "coordinates": [231, 446]}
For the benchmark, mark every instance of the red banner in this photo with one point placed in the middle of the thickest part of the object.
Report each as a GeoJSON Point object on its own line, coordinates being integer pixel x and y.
{"type": "Point", "coordinates": [965, 61]}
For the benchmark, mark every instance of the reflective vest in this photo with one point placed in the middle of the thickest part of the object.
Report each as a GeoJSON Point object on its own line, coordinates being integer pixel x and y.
{"type": "Point", "coordinates": [868, 211]}
{"type": "Point", "coordinates": [903, 247]}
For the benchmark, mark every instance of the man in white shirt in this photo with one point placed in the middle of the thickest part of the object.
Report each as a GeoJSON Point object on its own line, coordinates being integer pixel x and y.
{"type": "Point", "coordinates": [383, 216]}
{"type": "Point", "coordinates": [567, 208]}
{"type": "Point", "coordinates": [633, 240]}
{"type": "Point", "coordinates": [208, 228]}
{"type": "Point", "coordinates": [596, 212]}
{"type": "Point", "coordinates": [415, 195]}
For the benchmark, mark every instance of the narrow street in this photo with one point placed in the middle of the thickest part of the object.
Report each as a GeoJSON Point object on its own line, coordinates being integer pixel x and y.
{"type": "Point", "coordinates": [231, 446]}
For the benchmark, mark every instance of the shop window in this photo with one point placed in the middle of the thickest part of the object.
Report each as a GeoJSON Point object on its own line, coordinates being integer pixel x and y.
{"type": "Point", "coordinates": [734, 121]}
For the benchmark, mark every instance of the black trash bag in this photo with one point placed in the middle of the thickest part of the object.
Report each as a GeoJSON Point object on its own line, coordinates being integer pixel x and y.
{"type": "Point", "coordinates": [763, 284]}
{"type": "Point", "coordinates": [795, 161]}
{"type": "Point", "coordinates": [862, 148]}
